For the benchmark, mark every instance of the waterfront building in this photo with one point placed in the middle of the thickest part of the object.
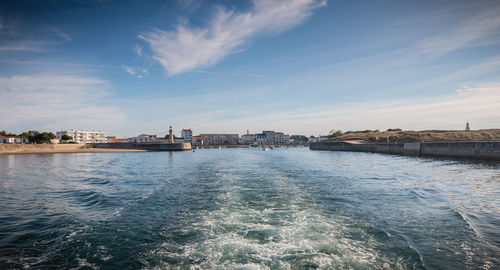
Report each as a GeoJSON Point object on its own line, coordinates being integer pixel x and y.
{"type": "Point", "coordinates": [269, 137]}
{"type": "Point", "coordinates": [116, 140]}
{"type": "Point", "coordinates": [260, 138]}
{"type": "Point", "coordinates": [187, 134]}
{"type": "Point", "coordinates": [167, 139]}
{"type": "Point", "coordinates": [247, 138]}
{"type": "Point", "coordinates": [322, 138]}
{"type": "Point", "coordinates": [281, 138]}
{"type": "Point", "coordinates": [163, 139]}
{"type": "Point", "coordinates": [13, 139]}
{"type": "Point", "coordinates": [218, 139]}
{"type": "Point", "coordinates": [196, 140]}
{"type": "Point", "coordinates": [144, 138]}
{"type": "Point", "coordinates": [81, 136]}
{"type": "Point", "coordinates": [298, 139]}
{"type": "Point", "coordinates": [179, 140]}
{"type": "Point", "coordinates": [55, 141]}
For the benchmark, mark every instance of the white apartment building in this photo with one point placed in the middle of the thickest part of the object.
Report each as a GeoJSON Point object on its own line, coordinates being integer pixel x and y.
{"type": "Point", "coordinates": [81, 136]}
{"type": "Point", "coordinates": [187, 134]}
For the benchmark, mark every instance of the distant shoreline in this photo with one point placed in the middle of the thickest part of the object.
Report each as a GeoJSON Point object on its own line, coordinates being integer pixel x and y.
{"type": "Point", "coordinates": [72, 151]}
{"type": "Point", "coordinates": [19, 149]}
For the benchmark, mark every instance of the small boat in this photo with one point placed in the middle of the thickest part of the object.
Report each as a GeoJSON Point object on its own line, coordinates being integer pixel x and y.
{"type": "Point", "coordinates": [265, 149]}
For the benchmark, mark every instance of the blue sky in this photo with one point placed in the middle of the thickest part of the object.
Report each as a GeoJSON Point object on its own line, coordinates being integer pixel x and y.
{"type": "Point", "coordinates": [298, 66]}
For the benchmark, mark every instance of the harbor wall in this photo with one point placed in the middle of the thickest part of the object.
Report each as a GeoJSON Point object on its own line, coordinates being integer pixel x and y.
{"type": "Point", "coordinates": [474, 150]}
{"type": "Point", "coordinates": [146, 146]}
{"type": "Point", "coordinates": [20, 148]}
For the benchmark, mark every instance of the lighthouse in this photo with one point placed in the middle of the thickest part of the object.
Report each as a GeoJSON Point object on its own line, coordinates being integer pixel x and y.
{"type": "Point", "coordinates": [171, 135]}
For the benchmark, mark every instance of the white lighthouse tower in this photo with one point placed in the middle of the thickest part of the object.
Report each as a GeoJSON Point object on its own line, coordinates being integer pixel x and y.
{"type": "Point", "coordinates": [171, 135]}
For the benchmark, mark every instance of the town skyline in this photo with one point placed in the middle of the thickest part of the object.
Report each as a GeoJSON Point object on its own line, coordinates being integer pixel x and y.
{"type": "Point", "coordinates": [301, 67]}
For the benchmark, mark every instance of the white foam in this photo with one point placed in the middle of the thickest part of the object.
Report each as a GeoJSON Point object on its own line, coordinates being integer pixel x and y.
{"type": "Point", "coordinates": [298, 232]}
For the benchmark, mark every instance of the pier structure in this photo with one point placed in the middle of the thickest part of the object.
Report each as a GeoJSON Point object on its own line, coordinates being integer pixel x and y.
{"type": "Point", "coordinates": [146, 146]}
{"type": "Point", "coordinates": [472, 150]}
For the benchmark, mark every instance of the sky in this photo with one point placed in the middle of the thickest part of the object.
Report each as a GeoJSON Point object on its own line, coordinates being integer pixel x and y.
{"type": "Point", "coordinates": [297, 66]}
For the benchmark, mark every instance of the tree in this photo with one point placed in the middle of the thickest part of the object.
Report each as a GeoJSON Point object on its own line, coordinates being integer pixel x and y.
{"type": "Point", "coordinates": [334, 134]}
{"type": "Point", "coordinates": [44, 137]}
{"type": "Point", "coordinates": [3, 133]}
{"type": "Point", "coordinates": [27, 135]}
{"type": "Point", "coordinates": [66, 137]}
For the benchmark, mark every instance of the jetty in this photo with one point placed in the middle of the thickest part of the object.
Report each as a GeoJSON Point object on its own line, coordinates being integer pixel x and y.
{"type": "Point", "coordinates": [486, 150]}
{"type": "Point", "coordinates": [145, 146]}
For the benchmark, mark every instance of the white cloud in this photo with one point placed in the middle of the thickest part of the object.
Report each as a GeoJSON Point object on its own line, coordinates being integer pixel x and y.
{"type": "Point", "coordinates": [16, 37]}
{"type": "Point", "coordinates": [50, 102]}
{"type": "Point", "coordinates": [138, 50]}
{"type": "Point", "coordinates": [482, 25]}
{"type": "Point", "coordinates": [129, 70]}
{"type": "Point", "coordinates": [480, 105]}
{"type": "Point", "coordinates": [187, 48]}
{"type": "Point", "coordinates": [138, 72]}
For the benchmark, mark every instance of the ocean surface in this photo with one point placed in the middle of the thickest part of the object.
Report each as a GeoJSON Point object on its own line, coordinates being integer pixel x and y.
{"type": "Point", "coordinates": [248, 209]}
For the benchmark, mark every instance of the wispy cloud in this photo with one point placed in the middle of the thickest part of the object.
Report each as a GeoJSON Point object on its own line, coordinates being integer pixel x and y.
{"type": "Point", "coordinates": [56, 101]}
{"type": "Point", "coordinates": [16, 36]}
{"type": "Point", "coordinates": [483, 24]}
{"type": "Point", "coordinates": [59, 33]}
{"type": "Point", "coordinates": [135, 71]}
{"type": "Point", "coordinates": [187, 47]}
{"type": "Point", "coordinates": [478, 104]}
{"type": "Point", "coordinates": [138, 50]}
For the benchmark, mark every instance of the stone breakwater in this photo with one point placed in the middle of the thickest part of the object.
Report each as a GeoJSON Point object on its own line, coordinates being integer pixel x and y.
{"type": "Point", "coordinates": [145, 146]}
{"type": "Point", "coordinates": [475, 150]}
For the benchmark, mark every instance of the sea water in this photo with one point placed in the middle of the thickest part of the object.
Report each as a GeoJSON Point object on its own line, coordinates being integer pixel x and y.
{"type": "Point", "coordinates": [248, 209]}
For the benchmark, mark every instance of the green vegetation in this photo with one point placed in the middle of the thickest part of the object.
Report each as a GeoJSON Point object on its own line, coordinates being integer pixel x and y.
{"type": "Point", "coordinates": [361, 131]}
{"type": "Point", "coordinates": [334, 134]}
{"type": "Point", "coordinates": [43, 137]}
{"type": "Point", "coordinates": [394, 129]}
{"type": "Point", "coordinates": [3, 133]}
{"type": "Point", "coordinates": [66, 137]}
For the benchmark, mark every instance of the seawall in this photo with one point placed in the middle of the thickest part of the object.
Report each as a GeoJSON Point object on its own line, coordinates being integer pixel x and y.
{"type": "Point", "coordinates": [474, 150]}
{"type": "Point", "coordinates": [21, 148]}
{"type": "Point", "coordinates": [145, 146]}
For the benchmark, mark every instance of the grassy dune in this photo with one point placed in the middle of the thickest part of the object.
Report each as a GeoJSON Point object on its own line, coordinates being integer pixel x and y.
{"type": "Point", "coordinates": [425, 135]}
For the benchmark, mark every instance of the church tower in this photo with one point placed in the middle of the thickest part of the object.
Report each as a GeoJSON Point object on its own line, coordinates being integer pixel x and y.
{"type": "Point", "coordinates": [467, 127]}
